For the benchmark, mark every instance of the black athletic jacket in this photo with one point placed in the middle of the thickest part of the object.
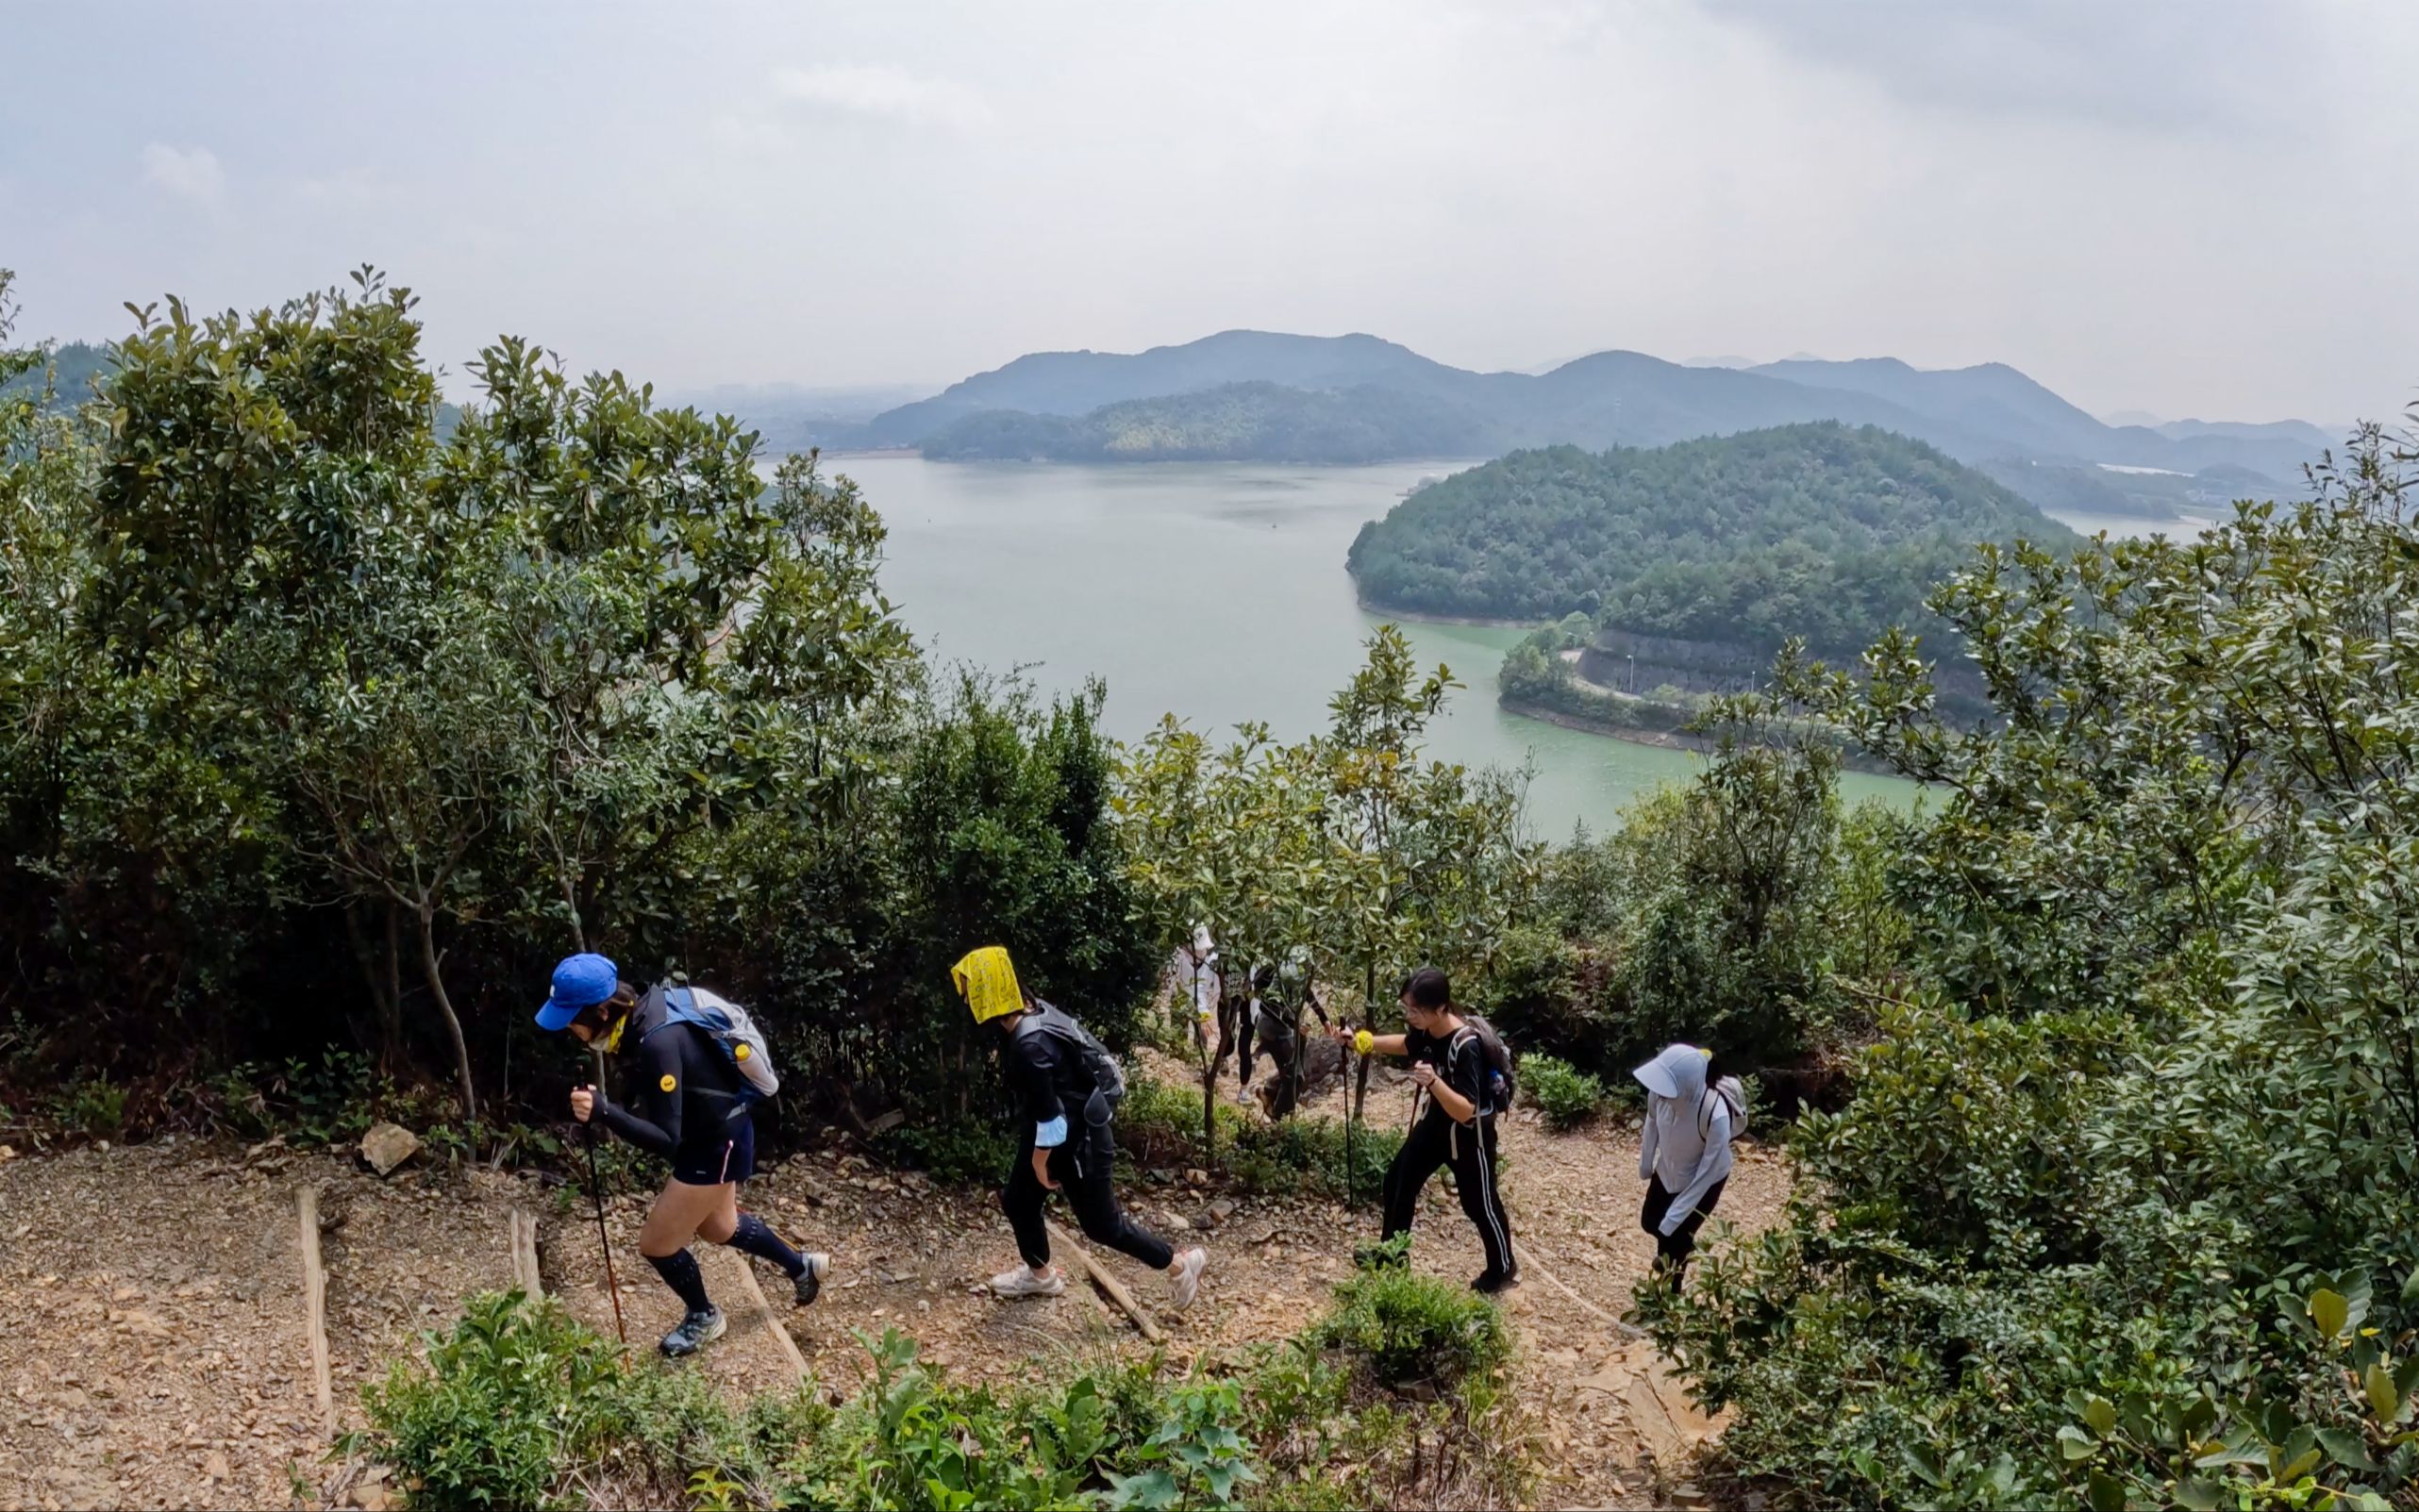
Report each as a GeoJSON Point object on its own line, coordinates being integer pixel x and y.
{"type": "Point", "coordinates": [687, 1090]}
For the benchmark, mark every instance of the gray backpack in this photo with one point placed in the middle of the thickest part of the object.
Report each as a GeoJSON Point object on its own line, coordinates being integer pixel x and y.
{"type": "Point", "coordinates": [731, 1028]}
{"type": "Point", "coordinates": [1734, 1096]}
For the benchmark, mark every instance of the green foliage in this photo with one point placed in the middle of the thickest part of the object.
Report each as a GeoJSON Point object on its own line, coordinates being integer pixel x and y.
{"type": "Point", "coordinates": [1566, 1096]}
{"type": "Point", "coordinates": [518, 1399]}
{"type": "Point", "coordinates": [322, 717]}
{"type": "Point", "coordinates": [1401, 1327]}
{"type": "Point", "coordinates": [2122, 1211]}
{"type": "Point", "coordinates": [1819, 531]}
{"type": "Point", "coordinates": [978, 1151]}
{"type": "Point", "coordinates": [1344, 856]}
{"type": "Point", "coordinates": [522, 1407]}
{"type": "Point", "coordinates": [92, 1105]}
{"type": "Point", "coordinates": [1160, 1126]}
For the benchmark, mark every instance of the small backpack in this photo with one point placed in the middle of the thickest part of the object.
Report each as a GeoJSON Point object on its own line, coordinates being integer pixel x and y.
{"type": "Point", "coordinates": [1499, 1085]}
{"type": "Point", "coordinates": [732, 1029]}
{"type": "Point", "coordinates": [1108, 1077]}
{"type": "Point", "coordinates": [1734, 1096]}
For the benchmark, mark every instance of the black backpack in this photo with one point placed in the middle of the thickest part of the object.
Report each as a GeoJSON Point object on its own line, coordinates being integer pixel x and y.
{"type": "Point", "coordinates": [1499, 1085]}
{"type": "Point", "coordinates": [1108, 1077]}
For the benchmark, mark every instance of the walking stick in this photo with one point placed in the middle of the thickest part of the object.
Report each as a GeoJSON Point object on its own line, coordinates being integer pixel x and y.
{"type": "Point", "coordinates": [596, 1191]}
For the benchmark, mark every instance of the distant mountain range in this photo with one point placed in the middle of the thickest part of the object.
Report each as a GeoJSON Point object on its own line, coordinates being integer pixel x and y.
{"type": "Point", "coordinates": [1268, 396]}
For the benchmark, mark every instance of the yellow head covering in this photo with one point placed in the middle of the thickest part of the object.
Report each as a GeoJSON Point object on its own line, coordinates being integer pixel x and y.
{"type": "Point", "coordinates": [986, 978]}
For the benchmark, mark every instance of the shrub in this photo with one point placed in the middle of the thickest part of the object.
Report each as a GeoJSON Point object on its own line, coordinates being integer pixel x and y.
{"type": "Point", "coordinates": [519, 1398]}
{"type": "Point", "coordinates": [1566, 1096]}
{"type": "Point", "coordinates": [1404, 1327]}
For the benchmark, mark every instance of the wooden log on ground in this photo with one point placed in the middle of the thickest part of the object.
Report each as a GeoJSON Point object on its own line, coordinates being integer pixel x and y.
{"type": "Point", "coordinates": [772, 1321]}
{"type": "Point", "coordinates": [522, 1227]}
{"type": "Point", "coordinates": [1109, 1284]}
{"type": "Point", "coordinates": [315, 1307]}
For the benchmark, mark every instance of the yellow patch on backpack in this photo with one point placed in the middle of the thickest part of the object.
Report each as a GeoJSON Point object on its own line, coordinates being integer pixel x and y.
{"type": "Point", "coordinates": [667, 1083]}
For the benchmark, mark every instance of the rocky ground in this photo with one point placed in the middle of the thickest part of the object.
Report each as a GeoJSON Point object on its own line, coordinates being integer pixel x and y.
{"type": "Point", "coordinates": [157, 1355]}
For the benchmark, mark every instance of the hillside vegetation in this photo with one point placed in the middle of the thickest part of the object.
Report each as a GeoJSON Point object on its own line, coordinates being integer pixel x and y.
{"type": "Point", "coordinates": [1237, 422]}
{"type": "Point", "coordinates": [1338, 398]}
{"type": "Point", "coordinates": [1817, 531]}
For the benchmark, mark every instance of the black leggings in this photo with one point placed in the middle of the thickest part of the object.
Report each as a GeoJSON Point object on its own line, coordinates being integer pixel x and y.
{"type": "Point", "coordinates": [1083, 1175]}
{"type": "Point", "coordinates": [1470, 1148]}
{"type": "Point", "coordinates": [1672, 1250]}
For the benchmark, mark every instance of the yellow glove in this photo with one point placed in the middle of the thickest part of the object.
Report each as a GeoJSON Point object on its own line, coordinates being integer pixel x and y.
{"type": "Point", "coordinates": [1363, 1040]}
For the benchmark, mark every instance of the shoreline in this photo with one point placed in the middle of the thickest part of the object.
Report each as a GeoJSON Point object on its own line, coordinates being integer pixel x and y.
{"type": "Point", "coordinates": [1422, 617]}
{"type": "Point", "coordinates": [1670, 740]}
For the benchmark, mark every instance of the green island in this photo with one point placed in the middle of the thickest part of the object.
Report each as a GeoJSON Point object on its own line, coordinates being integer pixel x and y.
{"type": "Point", "coordinates": [1680, 570]}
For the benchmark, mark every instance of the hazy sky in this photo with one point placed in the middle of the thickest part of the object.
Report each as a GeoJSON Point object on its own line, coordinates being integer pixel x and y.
{"type": "Point", "coordinates": [2200, 208]}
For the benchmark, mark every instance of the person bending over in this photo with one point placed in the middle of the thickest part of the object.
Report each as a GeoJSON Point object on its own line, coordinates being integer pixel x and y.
{"type": "Point", "coordinates": [1451, 1064]}
{"type": "Point", "coordinates": [1067, 1088]}
{"type": "Point", "coordinates": [690, 1110]}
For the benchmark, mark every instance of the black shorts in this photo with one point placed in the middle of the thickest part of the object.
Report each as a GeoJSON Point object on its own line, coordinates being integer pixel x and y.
{"type": "Point", "coordinates": [729, 1158]}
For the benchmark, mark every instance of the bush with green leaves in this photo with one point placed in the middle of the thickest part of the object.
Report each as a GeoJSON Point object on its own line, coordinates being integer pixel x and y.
{"type": "Point", "coordinates": [520, 1405]}
{"type": "Point", "coordinates": [2123, 1212]}
{"type": "Point", "coordinates": [1401, 1327]}
{"type": "Point", "coordinates": [519, 1401]}
{"type": "Point", "coordinates": [1567, 1097]}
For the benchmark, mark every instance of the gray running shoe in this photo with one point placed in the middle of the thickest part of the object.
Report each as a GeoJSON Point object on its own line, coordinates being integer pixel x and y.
{"type": "Point", "coordinates": [809, 1281]}
{"type": "Point", "coordinates": [696, 1332]}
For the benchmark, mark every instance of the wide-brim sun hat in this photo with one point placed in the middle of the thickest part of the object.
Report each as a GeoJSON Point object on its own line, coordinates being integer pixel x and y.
{"type": "Point", "coordinates": [581, 981]}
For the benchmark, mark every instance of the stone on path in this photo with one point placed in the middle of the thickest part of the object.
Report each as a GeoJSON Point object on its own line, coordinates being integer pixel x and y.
{"type": "Point", "coordinates": [388, 1145]}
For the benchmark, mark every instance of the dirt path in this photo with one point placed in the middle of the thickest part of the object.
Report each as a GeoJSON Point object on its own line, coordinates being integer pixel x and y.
{"type": "Point", "coordinates": [157, 1356]}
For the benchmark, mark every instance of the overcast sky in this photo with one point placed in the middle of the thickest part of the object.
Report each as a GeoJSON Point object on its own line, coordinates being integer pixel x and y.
{"type": "Point", "coordinates": [2200, 208]}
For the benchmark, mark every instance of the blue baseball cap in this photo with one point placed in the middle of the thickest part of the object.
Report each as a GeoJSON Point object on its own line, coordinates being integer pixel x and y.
{"type": "Point", "coordinates": [580, 982]}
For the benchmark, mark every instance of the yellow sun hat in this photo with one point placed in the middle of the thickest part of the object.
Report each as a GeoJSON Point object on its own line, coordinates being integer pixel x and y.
{"type": "Point", "coordinates": [986, 978]}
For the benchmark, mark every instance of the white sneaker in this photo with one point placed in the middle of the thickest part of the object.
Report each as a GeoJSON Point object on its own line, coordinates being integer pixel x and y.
{"type": "Point", "coordinates": [1184, 1277]}
{"type": "Point", "coordinates": [1027, 1282]}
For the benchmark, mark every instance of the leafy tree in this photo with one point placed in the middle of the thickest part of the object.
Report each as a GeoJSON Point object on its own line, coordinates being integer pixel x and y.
{"type": "Point", "coordinates": [2141, 1123]}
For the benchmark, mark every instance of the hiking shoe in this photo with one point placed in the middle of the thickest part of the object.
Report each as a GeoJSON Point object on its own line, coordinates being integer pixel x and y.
{"type": "Point", "coordinates": [1184, 1277]}
{"type": "Point", "coordinates": [1027, 1282]}
{"type": "Point", "coordinates": [809, 1280]}
{"type": "Point", "coordinates": [696, 1332]}
{"type": "Point", "coordinates": [1494, 1283]}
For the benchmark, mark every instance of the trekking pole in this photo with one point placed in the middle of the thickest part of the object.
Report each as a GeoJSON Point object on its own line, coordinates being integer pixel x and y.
{"type": "Point", "coordinates": [1351, 1131]}
{"type": "Point", "coordinates": [604, 1242]}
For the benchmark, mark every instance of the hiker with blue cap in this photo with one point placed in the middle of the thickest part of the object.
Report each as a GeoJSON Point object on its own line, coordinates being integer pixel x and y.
{"type": "Point", "coordinates": [1684, 1150]}
{"type": "Point", "coordinates": [702, 1065]}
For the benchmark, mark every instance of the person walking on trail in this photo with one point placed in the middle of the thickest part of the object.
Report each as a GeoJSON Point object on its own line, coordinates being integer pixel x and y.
{"type": "Point", "coordinates": [1067, 1089]}
{"type": "Point", "coordinates": [1684, 1150]}
{"type": "Point", "coordinates": [692, 1109]}
{"type": "Point", "coordinates": [1460, 1074]}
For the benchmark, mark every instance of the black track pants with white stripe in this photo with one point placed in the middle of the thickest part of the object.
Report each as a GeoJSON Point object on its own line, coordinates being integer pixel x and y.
{"type": "Point", "coordinates": [1436, 1140]}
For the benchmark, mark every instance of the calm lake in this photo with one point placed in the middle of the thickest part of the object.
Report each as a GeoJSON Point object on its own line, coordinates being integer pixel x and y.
{"type": "Point", "coordinates": [1216, 591]}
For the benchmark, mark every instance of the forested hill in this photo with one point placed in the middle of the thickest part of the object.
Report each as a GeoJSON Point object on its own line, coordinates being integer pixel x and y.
{"type": "Point", "coordinates": [76, 365]}
{"type": "Point", "coordinates": [1817, 530]}
{"type": "Point", "coordinates": [1348, 395]}
{"type": "Point", "coordinates": [1235, 422]}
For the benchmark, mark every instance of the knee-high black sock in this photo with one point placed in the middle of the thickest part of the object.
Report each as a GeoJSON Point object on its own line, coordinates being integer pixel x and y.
{"type": "Point", "coordinates": [679, 1271]}
{"type": "Point", "coordinates": [755, 1237]}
